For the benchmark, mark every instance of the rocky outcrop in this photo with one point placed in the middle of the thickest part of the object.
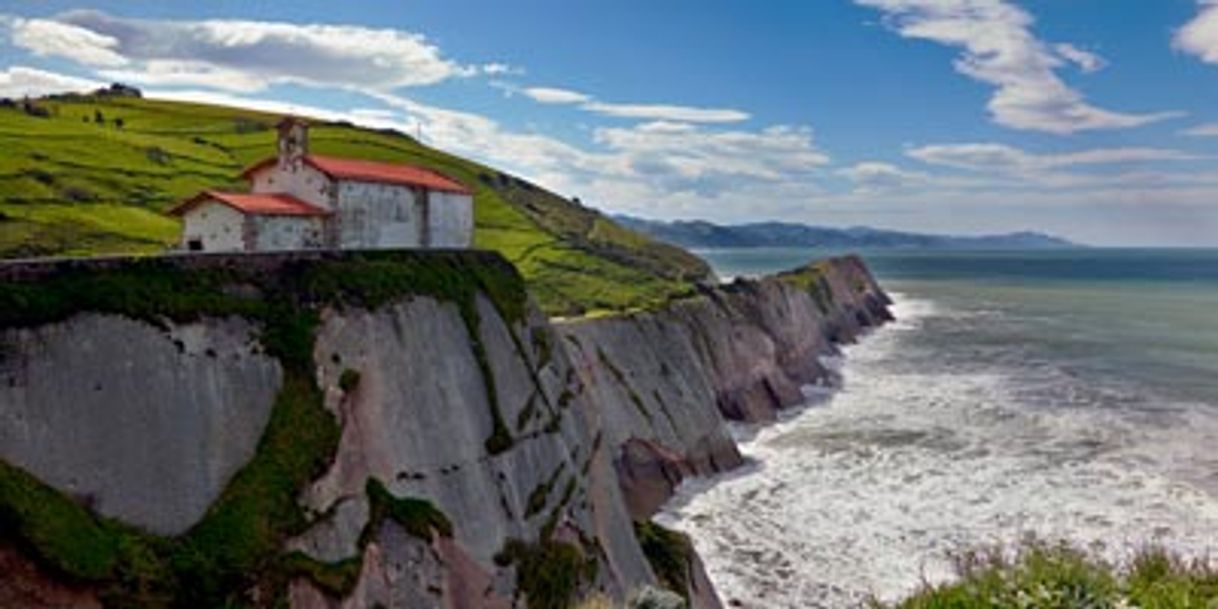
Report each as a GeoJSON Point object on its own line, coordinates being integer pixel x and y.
{"type": "Point", "coordinates": [419, 418]}
{"type": "Point", "coordinates": [141, 423]}
{"type": "Point", "coordinates": [353, 430]}
{"type": "Point", "coordinates": [24, 585]}
{"type": "Point", "coordinates": [747, 349]}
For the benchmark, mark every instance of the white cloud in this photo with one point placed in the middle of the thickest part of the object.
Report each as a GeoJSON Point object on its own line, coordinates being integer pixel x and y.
{"type": "Point", "coordinates": [45, 37]}
{"type": "Point", "coordinates": [240, 55]}
{"type": "Point", "coordinates": [499, 69]}
{"type": "Point", "coordinates": [674, 158]}
{"type": "Point", "coordinates": [1085, 60]}
{"type": "Point", "coordinates": [367, 117]}
{"type": "Point", "coordinates": [666, 112]}
{"type": "Point", "coordinates": [1002, 158]}
{"type": "Point", "coordinates": [999, 48]}
{"type": "Point", "coordinates": [1206, 130]}
{"type": "Point", "coordinates": [21, 81]}
{"type": "Point", "coordinates": [552, 95]}
{"type": "Point", "coordinates": [871, 176]}
{"type": "Point", "coordinates": [174, 73]}
{"type": "Point", "coordinates": [1200, 36]}
{"type": "Point", "coordinates": [648, 112]}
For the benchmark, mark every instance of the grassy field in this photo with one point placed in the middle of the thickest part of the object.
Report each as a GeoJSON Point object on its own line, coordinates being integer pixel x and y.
{"type": "Point", "coordinates": [94, 175]}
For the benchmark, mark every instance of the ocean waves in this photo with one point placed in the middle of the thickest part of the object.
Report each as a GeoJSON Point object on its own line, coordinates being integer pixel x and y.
{"type": "Point", "coordinates": [962, 425]}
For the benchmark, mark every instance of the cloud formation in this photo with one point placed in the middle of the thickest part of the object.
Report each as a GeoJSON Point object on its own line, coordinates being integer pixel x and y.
{"type": "Point", "coordinates": [872, 176]}
{"type": "Point", "coordinates": [649, 112]}
{"type": "Point", "coordinates": [1206, 130]}
{"type": "Point", "coordinates": [1009, 159]}
{"type": "Point", "coordinates": [636, 165]}
{"type": "Point", "coordinates": [1085, 60]}
{"type": "Point", "coordinates": [237, 55]}
{"type": "Point", "coordinates": [20, 81]}
{"type": "Point", "coordinates": [668, 112]}
{"type": "Point", "coordinates": [999, 49]}
{"type": "Point", "coordinates": [553, 95]}
{"type": "Point", "coordinates": [1200, 36]}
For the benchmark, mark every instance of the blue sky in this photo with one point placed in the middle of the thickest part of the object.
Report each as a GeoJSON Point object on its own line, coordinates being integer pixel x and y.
{"type": "Point", "coordinates": [1092, 119]}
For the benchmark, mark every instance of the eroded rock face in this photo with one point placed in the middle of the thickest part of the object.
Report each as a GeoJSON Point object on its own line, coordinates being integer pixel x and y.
{"type": "Point", "coordinates": [418, 421]}
{"type": "Point", "coordinates": [404, 571]}
{"type": "Point", "coordinates": [596, 421]}
{"type": "Point", "coordinates": [25, 586]}
{"type": "Point", "coordinates": [143, 424]}
{"type": "Point", "coordinates": [666, 382]}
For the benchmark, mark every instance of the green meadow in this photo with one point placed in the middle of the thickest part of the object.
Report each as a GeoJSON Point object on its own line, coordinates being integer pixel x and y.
{"type": "Point", "coordinates": [94, 175]}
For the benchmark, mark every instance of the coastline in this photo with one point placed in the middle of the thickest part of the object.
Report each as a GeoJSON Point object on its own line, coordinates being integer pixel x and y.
{"type": "Point", "coordinates": [1064, 407]}
{"type": "Point", "coordinates": [458, 431]}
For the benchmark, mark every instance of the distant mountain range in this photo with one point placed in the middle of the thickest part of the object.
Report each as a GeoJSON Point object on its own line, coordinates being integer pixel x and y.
{"type": "Point", "coordinates": [700, 234]}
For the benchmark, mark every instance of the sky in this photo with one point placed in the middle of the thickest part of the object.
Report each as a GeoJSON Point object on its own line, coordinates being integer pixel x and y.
{"type": "Point", "coordinates": [1096, 120]}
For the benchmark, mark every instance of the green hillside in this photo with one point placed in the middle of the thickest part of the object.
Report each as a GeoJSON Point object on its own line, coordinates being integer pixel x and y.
{"type": "Point", "coordinates": [83, 175]}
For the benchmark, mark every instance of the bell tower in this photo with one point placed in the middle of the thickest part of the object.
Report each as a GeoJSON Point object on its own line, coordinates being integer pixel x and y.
{"type": "Point", "coordinates": [293, 143]}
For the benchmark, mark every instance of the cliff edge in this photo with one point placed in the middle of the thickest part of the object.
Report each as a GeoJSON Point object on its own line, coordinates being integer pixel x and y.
{"type": "Point", "coordinates": [364, 429]}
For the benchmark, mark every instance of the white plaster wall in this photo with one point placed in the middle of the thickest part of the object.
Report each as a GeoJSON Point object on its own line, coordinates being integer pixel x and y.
{"type": "Point", "coordinates": [277, 233]}
{"type": "Point", "coordinates": [305, 183]}
{"type": "Point", "coordinates": [217, 225]}
{"type": "Point", "coordinates": [451, 219]}
{"type": "Point", "coordinates": [372, 215]}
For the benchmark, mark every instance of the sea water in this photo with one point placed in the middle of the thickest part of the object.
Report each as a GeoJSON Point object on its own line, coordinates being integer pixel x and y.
{"type": "Point", "coordinates": [1060, 395]}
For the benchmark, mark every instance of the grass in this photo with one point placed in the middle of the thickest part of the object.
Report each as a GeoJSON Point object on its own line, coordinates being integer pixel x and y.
{"type": "Point", "coordinates": [549, 573]}
{"type": "Point", "coordinates": [238, 543]}
{"type": "Point", "coordinates": [669, 553]}
{"type": "Point", "coordinates": [812, 279]}
{"type": "Point", "coordinates": [1044, 576]}
{"type": "Point", "coordinates": [74, 187]}
{"type": "Point", "coordinates": [418, 517]}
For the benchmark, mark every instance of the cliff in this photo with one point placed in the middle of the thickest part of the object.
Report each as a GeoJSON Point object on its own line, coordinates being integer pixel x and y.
{"type": "Point", "coordinates": [740, 352]}
{"type": "Point", "coordinates": [373, 429]}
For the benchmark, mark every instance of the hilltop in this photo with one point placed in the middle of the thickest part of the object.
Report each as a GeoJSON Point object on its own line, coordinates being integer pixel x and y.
{"type": "Point", "coordinates": [94, 174]}
{"type": "Point", "coordinates": [698, 233]}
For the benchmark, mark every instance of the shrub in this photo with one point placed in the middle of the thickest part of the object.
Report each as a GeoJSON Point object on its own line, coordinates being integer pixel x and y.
{"type": "Point", "coordinates": [348, 380]}
{"type": "Point", "coordinates": [1043, 576]}
{"type": "Point", "coordinates": [549, 573]}
{"type": "Point", "coordinates": [669, 554]}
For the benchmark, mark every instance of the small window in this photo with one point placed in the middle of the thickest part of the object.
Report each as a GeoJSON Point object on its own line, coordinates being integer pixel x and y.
{"type": "Point", "coordinates": [195, 245]}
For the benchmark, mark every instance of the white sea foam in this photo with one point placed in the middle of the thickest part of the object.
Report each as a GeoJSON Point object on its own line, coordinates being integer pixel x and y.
{"type": "Point", "coordinates": [921, 455]}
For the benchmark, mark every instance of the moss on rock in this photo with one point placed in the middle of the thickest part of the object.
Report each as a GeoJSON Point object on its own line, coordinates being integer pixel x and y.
{"type": "Point", "coordinates": [417, 517]}
{"type": "Point", "coordinates": [670, 555]}
{"type": "Point", "coordinates": [549, 573]}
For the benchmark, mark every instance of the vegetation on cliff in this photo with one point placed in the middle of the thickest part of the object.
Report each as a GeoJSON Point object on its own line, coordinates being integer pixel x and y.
{"type": "Point", "coordinates": [237, 547]}
{"type": "Point", "coordinates": [1042, 576]}
{"type": "Point", "coordinates": [813, 280]}
{"type": "Point", "coordinates": [670, 554]}
{"type": "Point", "coordinates": [71, 184]}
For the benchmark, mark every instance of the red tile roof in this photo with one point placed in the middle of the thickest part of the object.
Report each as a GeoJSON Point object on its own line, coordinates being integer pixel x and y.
{"type": "Point", "coordinates": [374, 171]}
{"type": "Point", "coordinates": [273, 204]}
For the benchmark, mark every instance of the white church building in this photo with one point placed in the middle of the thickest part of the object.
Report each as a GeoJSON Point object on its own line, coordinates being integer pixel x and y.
{"type": "Point", "coordinates": [304, 201]}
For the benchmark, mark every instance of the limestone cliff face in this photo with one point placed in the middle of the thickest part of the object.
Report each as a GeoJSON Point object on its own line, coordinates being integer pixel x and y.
{"type": "Point", "coordinates": [668, 380]}
{"type": "Point", "coordinates": [481, 456]}
{"type": "Point", "coordinates": [144, 424]}
{"type": "Point", "coordinates": [418, 421]}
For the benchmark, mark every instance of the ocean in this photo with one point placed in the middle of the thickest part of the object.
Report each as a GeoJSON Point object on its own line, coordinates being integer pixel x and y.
{"type": "Point", "coordinates": [1066, 395]}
